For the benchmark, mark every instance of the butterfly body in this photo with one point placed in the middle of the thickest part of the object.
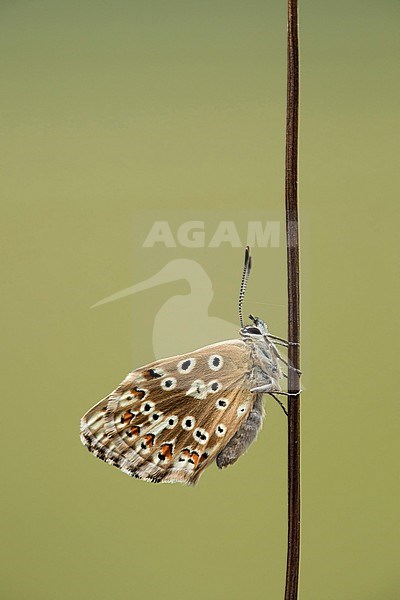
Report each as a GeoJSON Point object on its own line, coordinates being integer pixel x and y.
{"type": "Point", "coordinates": [167, 421]}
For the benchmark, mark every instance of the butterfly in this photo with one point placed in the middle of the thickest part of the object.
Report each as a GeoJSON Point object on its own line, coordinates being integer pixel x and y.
{"type": "Point", "coordinates": [169, 420]}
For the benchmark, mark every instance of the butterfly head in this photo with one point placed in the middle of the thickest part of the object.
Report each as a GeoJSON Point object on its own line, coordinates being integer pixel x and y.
{"type": "Point", "coordinates": [258, 330]}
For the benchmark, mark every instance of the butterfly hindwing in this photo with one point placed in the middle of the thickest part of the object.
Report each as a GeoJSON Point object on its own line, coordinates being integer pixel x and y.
{"type": "Point", "coordinates": [167, 421]}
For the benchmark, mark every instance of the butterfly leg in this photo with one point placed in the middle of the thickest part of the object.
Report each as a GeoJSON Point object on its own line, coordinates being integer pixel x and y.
{"type": "Point", "coordinates": [286, 375]}
{"type": "Point", "coordinates": [244, 436]}
{"type": "Point", "coordinates": [285, 362]}
{"type": "Point", "coordinates": [266, 388]}
{"type": "Point", "coordinates": [283, 407]}
{"type": "Point", "coordinates": [282, 341]}
{"type": "Point", "coordinates": [286, 393]}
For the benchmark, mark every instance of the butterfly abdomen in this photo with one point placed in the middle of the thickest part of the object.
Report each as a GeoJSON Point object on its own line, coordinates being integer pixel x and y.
{"type": "Point", "coordinates": [244, 437]}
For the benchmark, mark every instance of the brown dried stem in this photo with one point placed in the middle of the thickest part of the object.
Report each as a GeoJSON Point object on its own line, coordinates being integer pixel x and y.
{"type": "Point", "coordinates": [293, 270]}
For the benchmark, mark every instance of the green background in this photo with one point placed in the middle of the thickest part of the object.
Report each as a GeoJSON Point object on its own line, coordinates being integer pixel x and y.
{"type": "Point", "coordinates": [112, 108]}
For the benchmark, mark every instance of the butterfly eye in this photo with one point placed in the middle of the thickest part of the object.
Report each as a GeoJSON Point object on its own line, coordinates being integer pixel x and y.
{"type": "Point", "coordinates": [169, 383]}
{"type": "Point", "coordinates": [188, 423]}
{"type": "Point", "coordinates": [220, 430]}
{"type": "Point", "coordinates": [215, 362]}
{"type": "Point", "coordinates": [253, 330]}
{"type": "Point", "coordinates": [186, 365]}
{"type": "Point", "coordinates": [221, 403]}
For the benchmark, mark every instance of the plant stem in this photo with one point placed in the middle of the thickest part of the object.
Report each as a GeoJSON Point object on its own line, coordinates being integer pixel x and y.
{"type": "Point", "coordinates": [293, 271]}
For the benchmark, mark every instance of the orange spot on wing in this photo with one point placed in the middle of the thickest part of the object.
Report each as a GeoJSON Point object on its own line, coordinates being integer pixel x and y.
{"type": "Point", "coordinates": [195, 458]}
{"type": "Point", "coordinates": [138, 393]}
{"type": "Point", "coordinates": [134, 431]}
{"type": "Point", "coordinates": [203, 457]}
{"type": "Point", "coordinates": [149, 439]}
{"type": "Point", "coordinates": [150, 374]}
{"type": "Point", "coordinates": [166, 450]}
{"type": "Point", "coordinates": [127, 417]}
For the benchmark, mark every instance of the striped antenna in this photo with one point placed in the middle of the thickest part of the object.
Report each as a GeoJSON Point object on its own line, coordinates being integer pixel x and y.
{"type": "Point", "coordinates": [245, 277]}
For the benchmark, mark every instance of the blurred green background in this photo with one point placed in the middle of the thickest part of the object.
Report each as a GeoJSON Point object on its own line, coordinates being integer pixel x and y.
{"type": "Point", "coordinates": [111, 110]}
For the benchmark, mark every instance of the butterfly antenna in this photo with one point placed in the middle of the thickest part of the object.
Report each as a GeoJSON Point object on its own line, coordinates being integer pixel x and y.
{"type": "Point", "coordinates": [245, 277]}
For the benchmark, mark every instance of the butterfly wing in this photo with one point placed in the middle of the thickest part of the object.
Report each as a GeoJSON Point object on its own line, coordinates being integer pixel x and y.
{"type": "Point", "coordinates": [167, 421]}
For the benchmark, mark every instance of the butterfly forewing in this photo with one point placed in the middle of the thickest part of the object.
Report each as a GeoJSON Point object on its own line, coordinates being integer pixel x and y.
{"type": "Point", "coordinates": [167, 421]}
